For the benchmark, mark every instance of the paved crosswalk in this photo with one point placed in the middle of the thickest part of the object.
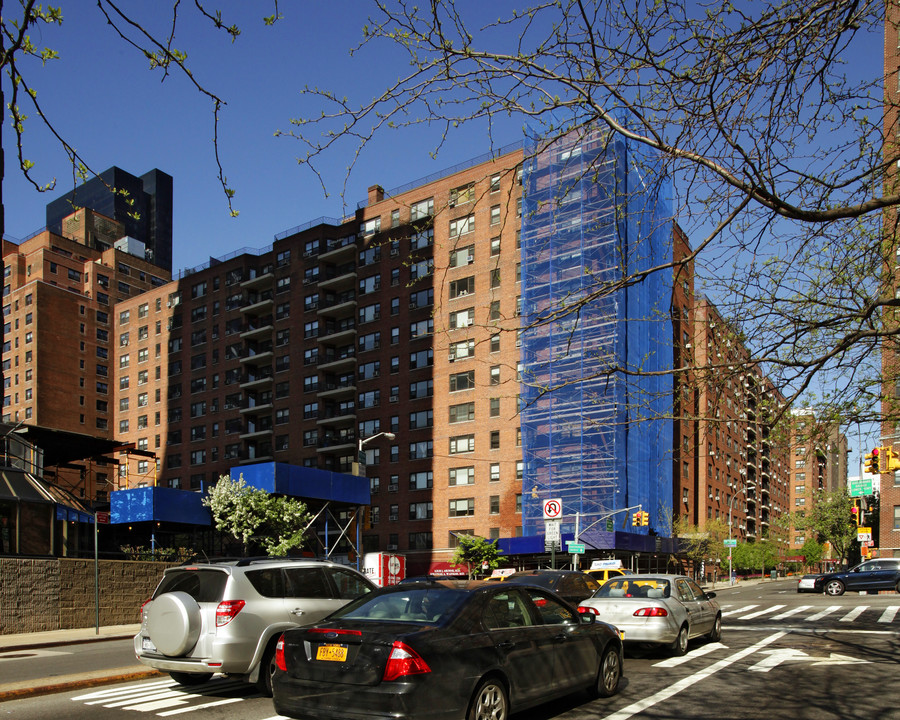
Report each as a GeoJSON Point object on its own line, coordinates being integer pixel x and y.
{"type": "Point", "coordinates": [811, 613]}
{"type": "Point", "coordinates": [166, 698]}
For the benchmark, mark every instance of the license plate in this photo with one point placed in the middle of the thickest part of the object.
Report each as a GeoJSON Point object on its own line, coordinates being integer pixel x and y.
{"type": "Point", "coordinates": [147, 645]}
{"type": "Point", "coordinates": [334, 653]}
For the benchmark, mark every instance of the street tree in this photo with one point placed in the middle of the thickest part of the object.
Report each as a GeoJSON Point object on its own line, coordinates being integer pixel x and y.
{"type": "Point", "coordinates": [700, 546]}
{"type": "Point", "coordinates": [830, 519]}
{"type": "Point", "coordinates": [253, 516]}
{"type": "Point", "coordinates": [813, 552]}
{"type": "Point", "coordinates": [759, 111]}
{"type": "Point", "coordinates": [755, 556]}
{"type": "Point", "coordinates": [478, 554]}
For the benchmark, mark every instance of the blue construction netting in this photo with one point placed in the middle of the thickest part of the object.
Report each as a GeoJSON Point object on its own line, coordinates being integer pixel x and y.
{"type": "Point", "coordinates": [597, 243]}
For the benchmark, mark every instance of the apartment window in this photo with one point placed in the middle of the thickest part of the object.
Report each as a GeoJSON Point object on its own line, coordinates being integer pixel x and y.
{"type": "Point", "coordinates": [370, 313]}
{"type": "Point", "coordinates": [495, 246]}
{"type": "Point", "coordinates": [421, 511]}
{"type": "Point", "coordinates": [421, 541]}
{"type": "Point", "coordinates": [422, 239]}
{"type": "Point", "coordinates": [495, 407]}
{"type": "Point", "coordinates": [282, 416]}
{"type": "Point", "coordinates": [421, 268]}
{"type": "Point", "coordinates": [462, 226]}
{"type": "Point", "coordinates": [463, 286]}
{"type": "Point", "coordinates": [495, 184]}
{"type": "Point", "coordinates": [495, 439]}
{"type": "Point", "coordinates": [369, 284]}
{"type": "Point", "coordinates": [462, 381]}
{"type": "Point", "coordinates": [462, 413]}
{"type": "Point", "coordinates": [462, 476]}
{"type": "Point", "coordinates": [421, 419]}
{"type": "Point", "coordinates": [421, 450]}
{"type": "Point", "coordinates": [370, 227]}
{"type": "Point", "coordinates": [421, 209]}
{"type": "Point", "coordinates": [462, 194]}
{"type": "Point", "coordinates": [421, 389]}
{"type": "Point", "coordinates": [462, 507]}
{"type": "Point", "coordinates": [495, 375]}
{"type": "Point", "coordinates": [494, 312]}
{"type": "Point", "coordinates": [462, 444]}
{"type": "Point", "coordinates": [462, 349]}
{"type": "Point", "coordinates": [421, 359]}
{"type": "Point", "coordinates": [495, 278]}
{"type": "Point", "coordinates": [495, 342]}
{"type": "Point", "coordinates": [494, 504]}
{"type": "Point", "coordinates": [896, 517]}
{"type": "Point", "coordinates": [495, 215]}
{"type": "Point", "coordinates": [395, 218]}
{"type": "Point", "coordinates": [495, 472]}
{"type": "Point", "coordinates": [420, 480]}
{"type": "Point", "coordinates": [421, 328]}
{"type": "Point", "coordinates": [462, 256]}
{"type": "Point", "coordinates": [462, 318]}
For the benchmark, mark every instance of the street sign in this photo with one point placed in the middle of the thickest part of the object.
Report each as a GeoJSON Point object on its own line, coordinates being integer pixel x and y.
{"type": "Point", "coordinates": [730, 542]}
{"type": "Point", "coordinates": [553, 509]}
{"type": "Point", "coordinates": [864, 534]}
{"type": "Point", "coordinates": [551, 532]}
{"type": "Point", "coordinates": [103, 518]}
{"type": "Point", "coordinates": [575, 548]}
{"type": "Point", "coordinates": [861, 487]}
{"type": "Point", "coordinates": [610, 525]}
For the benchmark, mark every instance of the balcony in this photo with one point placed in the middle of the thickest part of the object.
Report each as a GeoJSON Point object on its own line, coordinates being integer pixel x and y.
{"type": "Point", "coordinates": [256, 379]}
{"type": "Point", "coordinates": [339, 331]}
{"type": "Point", "coordinates": [258, 303]}
{"type": "Point", "coordinates": [338, 249]}
{"type": "Point", "coordinates": [257, 327]}
{"type": "Point", "coordinates": [339, 276]}
{"type": "Point", "coordinates": [259, 278]}
{"type": "Point", "coordinates": [338, 304]}
{"type": "Point", "coordinates": [337, 358]}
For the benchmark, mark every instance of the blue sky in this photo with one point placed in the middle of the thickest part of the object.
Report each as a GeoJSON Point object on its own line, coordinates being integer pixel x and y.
{"type": "Point", "coordinates": [104, 100]}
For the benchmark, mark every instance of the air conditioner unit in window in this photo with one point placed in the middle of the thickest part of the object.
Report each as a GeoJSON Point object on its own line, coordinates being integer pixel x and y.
{"type": "Point", "coordinates": [393, 488]}
{"type": "Point", "coordinates": [394, 252]}
{"type": "Point", "coordinates": [394, 518]}
{"type": "Point", "coordinates": [391, 547]}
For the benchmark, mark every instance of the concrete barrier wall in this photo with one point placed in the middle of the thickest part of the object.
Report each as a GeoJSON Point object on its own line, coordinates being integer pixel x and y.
{"type": "Point", "coordinates": [58, 593]}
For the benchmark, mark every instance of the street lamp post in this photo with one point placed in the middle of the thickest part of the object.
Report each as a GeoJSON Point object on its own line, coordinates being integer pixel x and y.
{"type": "Point", "coordinates": [363, 441]}
{"type": "Point", "coordinates": [730, 508]}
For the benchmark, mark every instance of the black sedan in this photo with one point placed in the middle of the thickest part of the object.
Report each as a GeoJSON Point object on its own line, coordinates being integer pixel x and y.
{"type": "Point", "coordinates": [571, 585]}
{"type": "Point", "coordinates": [444, 650]}
{"type": "Point", "coordinates": [878, 574]}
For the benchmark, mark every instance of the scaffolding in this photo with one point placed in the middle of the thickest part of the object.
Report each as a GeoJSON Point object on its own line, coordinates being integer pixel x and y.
{"type": "Point", "coordinates": [597, 334]}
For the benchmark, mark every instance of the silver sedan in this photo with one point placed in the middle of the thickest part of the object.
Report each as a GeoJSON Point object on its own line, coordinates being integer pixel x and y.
{"type": "Point", "coordinates": [666, 610]}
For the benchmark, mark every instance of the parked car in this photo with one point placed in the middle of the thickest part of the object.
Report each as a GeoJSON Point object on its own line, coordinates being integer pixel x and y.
{"type": "Point", "coordinates": [226, 616]}
{"type": "Point", "coordinates": [601, 575]}
{"type": "Point", "coordinates": [666, 610]}
{"type": "Point", "coordinates": [878, 574]}
{"type": "Point", "coordinates": [571, 585]}
{"type": "Point", "coordinates": [807, 583]}
{"type": "Point", "coordinates": [444, 650]}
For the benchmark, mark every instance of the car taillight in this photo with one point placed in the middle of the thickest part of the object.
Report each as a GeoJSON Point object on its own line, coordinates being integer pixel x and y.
{"type": "Point", "coordinates": [588, 610]}
{"type": "Point", "coordinates": [143, 605]}
{"type": "Point", "coordinates": [279, 654]}
{"type": "Point", "coordinates": [227, 610]}
{"type": "Point", "coordinates": [336, 631]}
{"type": "Point", "coordinates": [651, 612]}
{"type": "Point", "coordinates": [403, 661]}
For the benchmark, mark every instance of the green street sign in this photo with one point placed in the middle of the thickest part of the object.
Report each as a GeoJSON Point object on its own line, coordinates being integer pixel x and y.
{"type": "Point", "coordinates": [610, 525]}
{"type": "Point", "coordinates": [861, 488]}
{"type": "Point", "coordinates": [730, 543]}
{"type": "Point", "coordinates": [576, 548]}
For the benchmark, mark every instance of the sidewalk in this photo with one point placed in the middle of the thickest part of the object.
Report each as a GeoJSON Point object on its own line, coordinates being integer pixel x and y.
{"type": "Point", "coordinates": [60, 683]}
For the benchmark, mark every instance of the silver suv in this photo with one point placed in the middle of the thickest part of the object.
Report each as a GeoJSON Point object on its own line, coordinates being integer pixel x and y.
{"type": "Point", "coordinates": [225, 616]}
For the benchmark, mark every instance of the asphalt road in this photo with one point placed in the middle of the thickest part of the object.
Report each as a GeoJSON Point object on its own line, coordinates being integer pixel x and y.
{"type": "Point", "coordinates": [783, 655]}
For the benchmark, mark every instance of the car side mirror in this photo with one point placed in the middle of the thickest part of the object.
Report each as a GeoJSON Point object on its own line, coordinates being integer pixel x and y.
{"type": "Point", "coordinates": [710, 595]}
{"type": "Point", "coordinates": [587, 618]}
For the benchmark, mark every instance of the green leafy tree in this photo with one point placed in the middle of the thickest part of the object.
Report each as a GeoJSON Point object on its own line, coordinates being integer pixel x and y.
{"type": "Point", "coordinates": [758, 555]}
{"type": "Point", "coordinates": [474, 552]}
{"type": "Point", "coordinates": [701, 545]}
{"type": "Point", "coordinates": [831, 520]}
{"type": "Point", "coordinates": [249, 514]}
{"type": "Point", "coordinates": [813, 552]}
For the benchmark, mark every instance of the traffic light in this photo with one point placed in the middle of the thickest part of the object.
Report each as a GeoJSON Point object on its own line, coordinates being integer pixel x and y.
{"type": "Point", "coordinates": [855, 512]}
{"type": "Point", "coordinates": [645, 518]}
{"type": "Point", "coordinates": [889, 460]}
{"type": "Point", "coordinates": [872, 461]}
{"type": "Point", "coordinates": [636, 519]}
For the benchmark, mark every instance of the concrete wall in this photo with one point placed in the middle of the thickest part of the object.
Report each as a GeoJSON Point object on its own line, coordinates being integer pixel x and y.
{"type": "Point", "coordinates": [58, 593]}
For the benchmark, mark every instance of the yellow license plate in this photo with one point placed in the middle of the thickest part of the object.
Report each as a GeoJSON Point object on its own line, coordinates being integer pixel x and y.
{"type": "Point", "coordinates": [335, 653]}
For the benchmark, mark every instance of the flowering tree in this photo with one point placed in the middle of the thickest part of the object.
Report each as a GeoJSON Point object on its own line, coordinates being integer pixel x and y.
{"type": "Point", "coordinates": [276, 523]}
{"type": "Point", "coordinates": [474, 551]}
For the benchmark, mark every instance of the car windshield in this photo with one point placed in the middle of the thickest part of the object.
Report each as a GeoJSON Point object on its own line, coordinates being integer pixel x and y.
{"type": "Point", "coordinates": [634, 586]}
{"type": "Point", "coordinates": [425, 605]}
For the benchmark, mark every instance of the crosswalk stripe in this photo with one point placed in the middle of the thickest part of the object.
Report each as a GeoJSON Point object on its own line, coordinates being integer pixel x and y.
{"type": "Point", "coordinates": [827, 611]}
{"type": "Point", "coordinates": [764, 611]}
{"type": "Point", "coordinates": [889, 614]}
{"type": "Point", "coordinates": [215, 703]}
{"type": "Point", "coordinates": [740, 610]}
{"type": "Point", "coordinates": [124, 690]}
{"type": "Point", "coordinates": [854, 613]}
{"type": "Point", "coordinates": [695, 653]}
{"type": "Point", "coordinates": [792, 611]}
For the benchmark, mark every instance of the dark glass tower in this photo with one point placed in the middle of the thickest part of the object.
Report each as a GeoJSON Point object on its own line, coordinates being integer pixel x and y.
{"type": "Point", "coordinates": [148, 218]}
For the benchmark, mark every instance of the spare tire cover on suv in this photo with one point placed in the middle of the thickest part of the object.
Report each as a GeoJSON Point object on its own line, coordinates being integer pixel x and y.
{"type": "Point", "coordinates": [173, 623]}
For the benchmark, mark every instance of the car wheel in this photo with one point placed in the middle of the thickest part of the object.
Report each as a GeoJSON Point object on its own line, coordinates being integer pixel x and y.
{"type": "Point", "coordinates": [173, 623]}
{"type": "Point", "coordinates": [489, 702]}
{"type": "Point", "coordinates": [190, 679]}
{"type": "Point", "coordinates": [679, 647]}
{"type": "Point", "coordinates": [715, 634]}
{"type": "Point", "coordinates": [834, 588]}
{"type": "Point", "coordinates": [266, 671]}
{"type": "Point", "coordinates": [608, 675]}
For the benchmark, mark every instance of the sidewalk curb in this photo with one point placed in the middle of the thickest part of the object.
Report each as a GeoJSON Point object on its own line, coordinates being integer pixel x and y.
{"type": "Point", "coordinates": [26, 689]}
{"type": "Point", "coordinates": [60, 642]}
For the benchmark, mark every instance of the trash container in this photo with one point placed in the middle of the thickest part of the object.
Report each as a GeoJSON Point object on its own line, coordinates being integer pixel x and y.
{"type": "Point", "coordinates": [774, 574]}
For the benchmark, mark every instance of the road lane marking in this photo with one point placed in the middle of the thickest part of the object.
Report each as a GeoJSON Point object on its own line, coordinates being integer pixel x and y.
{"type": "Point", "coordinates": [788, 613]}
{"type": "Point", "coordinates": [889, 614]}
{"type": "Point", "coordinates": [740, 610]}
{"type": "Point", "coordinates": [215, 703]}
{"type": "Point", "coordinates": [691, 680]}
{"type": "Point", "coordinates": [764, 611]}
{"type": "Point", "coordinates": [854, 613]}
{"type": "Point", "coordinates": [698, 652]}
{"type": "Point", "coordinates": [124, 690]}
{"type": "Point", "coordinates": [776, 657]}
{"type": "Point", "coordinates": [819, 615]}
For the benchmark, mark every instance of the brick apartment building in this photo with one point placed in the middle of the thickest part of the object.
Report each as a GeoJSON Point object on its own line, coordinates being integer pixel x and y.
{"type": "Point", "coordinates": [396, 332]}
